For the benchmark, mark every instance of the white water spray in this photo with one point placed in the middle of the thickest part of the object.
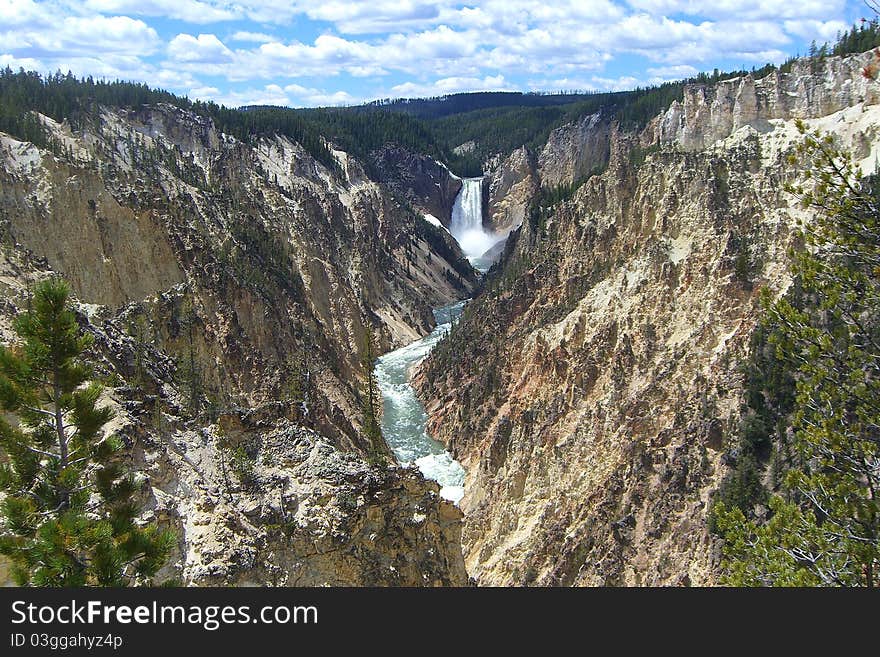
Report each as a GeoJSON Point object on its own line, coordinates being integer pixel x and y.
{"type": "Point", "coordinates": [467, 221]}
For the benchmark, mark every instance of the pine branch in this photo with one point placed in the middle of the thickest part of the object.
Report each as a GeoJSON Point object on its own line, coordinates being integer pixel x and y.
{"type": "Point", "coordinates": [36, 450]}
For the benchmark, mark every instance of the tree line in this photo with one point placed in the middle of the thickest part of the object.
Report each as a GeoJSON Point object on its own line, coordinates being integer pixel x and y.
{"type": "Point", "coordinates": [496, 122]}
{"type": "Point", "coordinates": [801, 504]}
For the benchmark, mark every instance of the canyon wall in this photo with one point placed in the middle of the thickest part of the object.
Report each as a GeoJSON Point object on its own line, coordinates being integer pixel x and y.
{"type": "Point", "coordinates": [575, 151]}
{"type": "Point", "coordinates": [427, 185]}
{"type": "Point", "coordinates": [812, 88]}
{"type": "Point", "coordinates": [572, 153]}
{"type": "Point", "coordinates": [510, 186]}
{"type": "Point", "coordinates": [593, 390]}
{"type": "Point", "coordinates": [230, 285]}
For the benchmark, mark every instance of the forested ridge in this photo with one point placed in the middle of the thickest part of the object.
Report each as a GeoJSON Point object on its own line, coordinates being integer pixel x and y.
{"type": "Point", "coordinates": [491, 123]}
{"type": "Point", "coordinates": [799, 504]}
{"type": "Point", "coordinates": [356, 130]}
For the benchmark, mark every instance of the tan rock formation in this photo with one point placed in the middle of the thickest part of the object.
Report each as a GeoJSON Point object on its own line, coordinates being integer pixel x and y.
{"type": "Point", "coordinates": [593, 389]}
{"type": "Point", "coordinates": [511, 187]}
{"type": "Point", "coordinates": [575, 150]}
{"type": "Point", "coordinates": [219, 279]}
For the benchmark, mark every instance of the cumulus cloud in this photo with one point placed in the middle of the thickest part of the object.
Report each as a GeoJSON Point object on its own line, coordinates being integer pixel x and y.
{"type": "Point", "coordinates": [22, 12]}
{"type": "Point", "coordinates": [810, 30]}
{"type": "Point", "coordinates": [742, 9]}
{"type": "Point", "coordinates": [203, 49]}
{"type": "Point", "coordinates": [204, 93]}
{"type": "Point", "coordinates": [109, 67]}
{"type": "Point", "coordinates": [376, 16]}
{"type": "Point", "coordinates": [254, 37]}
{"type": "Point", "coordinates": [271, 94]}
{"type": "Point", "coordinates": [292, 95]}
{"type": "Point", "coordinates": [21, 62]}
{"type": "Point", "coordinates": [41, 36]}
{"type": "Point", "coordinates": [327, 55]}
{"type": "Point", "coordinates": [677, 72]}
{"type": "Point", "coordinates": [451, 85]}
{"type": "Point", "coordinates": [191, 11]}
{"type": "Point", "coordinates": [312, 97]}
{"type": "Point", "coordinates": [285, 49]}
{"type": "Point", "coordinates": [586, 84]}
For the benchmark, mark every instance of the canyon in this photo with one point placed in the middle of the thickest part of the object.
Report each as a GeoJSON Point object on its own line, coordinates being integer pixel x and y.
{"type": "Point", "coordinates": [585, 402]}
{"type": "Point", "coordinates": [228, 286]}
{"type": "Point", "coordinates": [593, 390]}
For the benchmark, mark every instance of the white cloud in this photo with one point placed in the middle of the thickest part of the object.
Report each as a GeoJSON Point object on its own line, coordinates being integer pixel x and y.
{"type": "Point", "coordinates": [328, 55]}
{"type": "Point", "coordinates": [291, 95]}
{"type": "Point", "coordinates": [204, 49]}
{"type": "Point", "coordinates": [253, 37]}
{"type": "Point", "coordinates": [747, 10]}
{"type": "Point", "coordinates": [516, 37]}
{"type": "Point", "coordinates": [73, 36]}
{"type": "Point", "coordinates": [376, 16]}
{"type": "Point", "coordinates": [440, 43]}
{"type": "Point", "coordinates": [676, 72]}
{"type": "Point", "coordinates": [204, 93]}
{"type": "Point", "coordinates": [621, 83]}
{"type": "Point", "coordinates": [22, 12]}
{"type": "Point", "coordinates": [22, 62]}
{"type": "Point", "coordinates": [445, 86]}
{"type": "Point", "coordinates": [820, 31]}
{"type": "Point", "coordinates": [593, 83]}
{"type": "Point", "coordinates": [271, 94]}
{"type": "Point", "coordinates": [191, 11]}
{"type": "Point", "coordinates": [316, 97]}
{"type": "Point", "coordinates": [109, 67]}
{"type": "Point", "coordinates": [406, 47]}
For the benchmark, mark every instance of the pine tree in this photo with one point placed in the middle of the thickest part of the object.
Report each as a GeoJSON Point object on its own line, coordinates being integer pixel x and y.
{"type": "Point", "coordinates": [137, 329]}
{"type": "Point", "coordinates": [300, 380]}
{"type": "Point", "coordinates": [68, 514]}
{"type": "Point", "coordinates": [825, 528]}
{"type": "Point", "coordinates": [371, 399]}
{"type": "Point", "coordinates": [189, 371]}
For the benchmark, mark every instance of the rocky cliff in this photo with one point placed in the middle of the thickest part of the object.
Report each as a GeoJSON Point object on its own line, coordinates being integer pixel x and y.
{"type": "Point", "coordinates": [511, 184]}
{"type": "Point", "coordinates": [572, 153]}
{"type": "Point", "coordinates": [429, 186]}
{"type": "Point", "coordinates": [812, 88]}
{"type": "Point", "coordinates": [229, 285]}
{"type": "Point", "coordinates": [575, 151]}
{"type": "Point", "coordinates": [592, 391]}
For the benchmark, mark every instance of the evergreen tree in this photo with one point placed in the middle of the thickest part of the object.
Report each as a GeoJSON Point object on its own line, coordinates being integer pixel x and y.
{"type": "Point", "coordinates": [137, 329]}
{"type": "Point", "coordinates": [68, 513]}
{"type": "Point", "coordinates": [299, 379]}
{"type": "Point", "coordinates": [825, 528]}
{"type": "Point", "coordinates": [189, 370]}
{"type": "Point", "coordinates": [371, 399]}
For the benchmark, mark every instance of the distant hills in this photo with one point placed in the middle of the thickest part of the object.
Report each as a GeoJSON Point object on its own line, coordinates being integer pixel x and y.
{"type": "Point", "coordinates": [497, 122]}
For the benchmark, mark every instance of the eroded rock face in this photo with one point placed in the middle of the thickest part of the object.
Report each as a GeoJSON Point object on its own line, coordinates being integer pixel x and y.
{"type": "Point", "coordinates": [243, 255]}
{"type": "Point", "coordinates": [592, 391]}
{"type": "Point", "coordinates": [228, 286]}
{"type": "Point", "coordinates": [307, 514]}
{"type": "Point", "coordinates": [289, 508]}
{"type": "Point", "coordinates": [812, 89]}
{"type": "Point", "coordinates": [425, 183]}
{"type": "Point", "coordinates": [575, 151]}
{"type": "Point", "coordinates": [511, 186]}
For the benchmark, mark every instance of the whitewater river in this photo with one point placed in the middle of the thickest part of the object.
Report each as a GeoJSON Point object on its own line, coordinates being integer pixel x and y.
{"type": "Point", "coordinates": [404, 419]}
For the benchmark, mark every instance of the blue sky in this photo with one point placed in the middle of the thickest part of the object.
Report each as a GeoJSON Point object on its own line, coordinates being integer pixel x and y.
{"type": "Point", "coordinates": [330, 52]}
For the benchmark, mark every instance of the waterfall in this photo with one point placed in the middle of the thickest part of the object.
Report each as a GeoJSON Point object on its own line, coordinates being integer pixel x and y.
{"type": "Point", "coordinates": [467, 220]}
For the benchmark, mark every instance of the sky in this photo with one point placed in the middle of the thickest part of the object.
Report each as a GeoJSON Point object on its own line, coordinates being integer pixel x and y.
{"type": "Point", "coordinates": [331, 52]}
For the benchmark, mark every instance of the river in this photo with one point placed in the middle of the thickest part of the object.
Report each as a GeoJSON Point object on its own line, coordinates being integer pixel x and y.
{"type": "Point", "coordinates": [404, 421]}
